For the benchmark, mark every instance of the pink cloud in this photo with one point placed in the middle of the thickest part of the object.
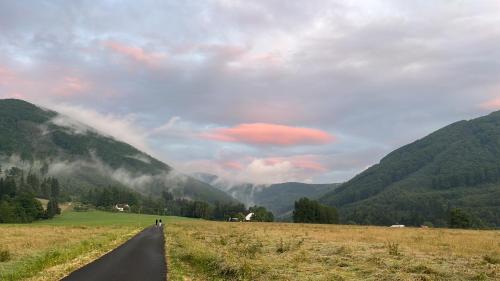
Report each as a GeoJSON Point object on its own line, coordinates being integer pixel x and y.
{"type": "Point", "coordinates": [231, 165]}
{"type": "Point", "coordinates": [135, 53]}
{"type": "Point", "coordinates": [270, 134]}
{"type": "Point", "coordinates": [265, 170]}
{"type": "Point", "coordinates": [493, 104]}
{"type": "Point", "coordinates": [70, 85]}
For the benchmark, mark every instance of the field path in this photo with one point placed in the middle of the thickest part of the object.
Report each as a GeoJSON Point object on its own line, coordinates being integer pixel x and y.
{"type": "Point", "coordinates": [140, 258]}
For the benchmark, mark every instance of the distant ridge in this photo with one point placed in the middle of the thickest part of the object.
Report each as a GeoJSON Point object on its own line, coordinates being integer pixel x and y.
{"type": "Point", "coordinates": [278, 198]}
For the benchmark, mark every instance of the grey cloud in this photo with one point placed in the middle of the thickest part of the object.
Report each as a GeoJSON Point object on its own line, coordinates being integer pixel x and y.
{"type": "Point", "coordinates": [377, 74]}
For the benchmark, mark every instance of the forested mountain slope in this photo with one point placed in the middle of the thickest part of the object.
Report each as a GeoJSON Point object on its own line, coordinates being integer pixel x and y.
{"type": "Point", "coordinates": [455, 167]}
{"type": "Point", "coordinates": [45, 142]}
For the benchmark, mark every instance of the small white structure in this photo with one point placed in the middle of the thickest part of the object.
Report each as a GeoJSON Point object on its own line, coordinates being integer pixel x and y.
{"type": "Point", "coordinates": [249, 217]}
{"type": "Point", "coordinates": [397, 226]}
{"type": "Point", "coordinates": [121, 207]}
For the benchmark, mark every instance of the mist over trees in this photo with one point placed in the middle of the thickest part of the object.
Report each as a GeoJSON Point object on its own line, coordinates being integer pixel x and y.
{"type": "Point", "coordinates": [167, 204]}
{"type": "Point", "coordinates": [19, 190]}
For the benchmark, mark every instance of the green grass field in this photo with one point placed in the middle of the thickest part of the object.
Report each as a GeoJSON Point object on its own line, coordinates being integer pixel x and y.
{"type": "Point", "coordinates": [99, 218]}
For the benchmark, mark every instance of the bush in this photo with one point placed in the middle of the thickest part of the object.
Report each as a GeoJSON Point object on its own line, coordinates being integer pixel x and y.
{"type": "Point", "coordinates": [428, 224]}
{"type": "Point", "coordinates": [4, 255]}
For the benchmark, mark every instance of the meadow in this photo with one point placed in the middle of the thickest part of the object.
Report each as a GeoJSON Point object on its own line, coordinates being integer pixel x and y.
{"type": "Point", "coordinates": [207, 250]}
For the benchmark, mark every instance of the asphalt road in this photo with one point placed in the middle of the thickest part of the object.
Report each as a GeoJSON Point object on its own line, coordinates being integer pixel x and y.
{"type": "Point", "coordinates": [139, 259]}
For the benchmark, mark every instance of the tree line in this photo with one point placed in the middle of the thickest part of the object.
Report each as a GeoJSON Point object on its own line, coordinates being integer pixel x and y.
{"type": "Point", "coordinates": [18, 203]}
{"type": "Point", "coordinates": [19, 190]}
{"type": "Point", "coordinates": [310, 211]}
{"type": "Point", "coordinates": [167, 204]}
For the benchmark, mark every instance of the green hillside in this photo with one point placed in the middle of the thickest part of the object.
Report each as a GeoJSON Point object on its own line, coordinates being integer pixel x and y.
{"type": "Point", "coordinates": [455, 167]}
{"type": "Point", "coordinates": [280, 198]}
{"type": "Point", "coordinates": [82, 158]}
{"type": "Point", "coordinates": [277, 198]}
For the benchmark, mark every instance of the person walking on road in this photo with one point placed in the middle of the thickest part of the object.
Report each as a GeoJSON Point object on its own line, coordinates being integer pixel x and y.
{"type": "Point", "coordinates": [160, 222]}
{"type": "Point", "coordinates": [156, 224]}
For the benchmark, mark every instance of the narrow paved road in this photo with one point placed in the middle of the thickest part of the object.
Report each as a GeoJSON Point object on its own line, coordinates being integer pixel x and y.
{"type": "Point", "coordinates": [140, 258]}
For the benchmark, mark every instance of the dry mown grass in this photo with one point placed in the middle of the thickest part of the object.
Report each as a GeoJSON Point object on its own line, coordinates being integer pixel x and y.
{"type": "Point", "coordinates": [50, 249]}
{"type": "Point", "coordinates": [201, 250]}
{"type": "Point", "coordinates": [36, 248]}
{"type": "Point", "coordinates": [22, 240]}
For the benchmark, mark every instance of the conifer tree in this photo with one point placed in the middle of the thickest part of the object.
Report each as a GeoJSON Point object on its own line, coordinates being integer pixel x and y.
{"type": "Point", "coordinates": [52, 208]}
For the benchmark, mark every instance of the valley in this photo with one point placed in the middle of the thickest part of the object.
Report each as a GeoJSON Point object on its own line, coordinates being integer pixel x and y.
{"type": "Point", "coordinates": [263, 140]}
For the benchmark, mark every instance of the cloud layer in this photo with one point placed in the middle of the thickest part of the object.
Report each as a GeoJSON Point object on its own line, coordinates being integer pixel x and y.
{"type": "Point", "coordinates": [160, 74]}
{"type": "Point", "coordinates": [269, 134]}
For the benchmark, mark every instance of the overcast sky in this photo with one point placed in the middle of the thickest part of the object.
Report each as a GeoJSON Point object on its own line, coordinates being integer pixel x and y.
{"type": "Point", "coordinates": [260, 91]}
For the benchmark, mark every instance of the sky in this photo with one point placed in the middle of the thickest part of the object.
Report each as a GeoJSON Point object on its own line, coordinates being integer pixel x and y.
{"type": "Point", "coordinates": [257, 91]}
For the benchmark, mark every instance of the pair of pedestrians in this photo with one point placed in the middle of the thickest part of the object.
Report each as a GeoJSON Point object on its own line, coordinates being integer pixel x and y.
{"type": "Point", "coordinates": [158, 223]}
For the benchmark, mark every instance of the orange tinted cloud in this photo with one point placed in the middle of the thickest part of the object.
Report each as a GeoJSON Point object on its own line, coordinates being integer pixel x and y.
{"type": "Point", "coordinates": [135, 53]}
{"type": "Point", "coordinates": [270, 134]}
{"type": "Point", "coordinates": [493, 104]}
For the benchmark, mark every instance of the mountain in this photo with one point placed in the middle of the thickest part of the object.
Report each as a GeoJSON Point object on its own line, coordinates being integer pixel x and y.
{"type": "Point", "coordinates": [277, 198]}
{"type": "Point", "coordinates": [455, 167]}
{"type": "Point", "coordinates": [45, 142]}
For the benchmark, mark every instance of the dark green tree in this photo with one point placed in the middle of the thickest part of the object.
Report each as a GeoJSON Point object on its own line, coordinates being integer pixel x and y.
{"type": "Point", "coordinates": [45, 191]}
{"type": "Point", "coordinates": [310, 211]}
{"type": "Point", "coordinates": [32, 208]}
{"type": "Point", "coordinates": [55, 189]}
{"type": "Point", "coordinates": [261, 214]}
{"type": "Point", "coordinates": [33, 183]}
{"type": "Point", "coordinates": [459, 219]}
{"type": "Point", "coordinates": [52, 208]}
{"type": "Point", "coordinates": [7, 213]}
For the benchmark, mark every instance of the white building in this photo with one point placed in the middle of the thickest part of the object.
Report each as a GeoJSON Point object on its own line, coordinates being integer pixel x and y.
{"type": "Point", "coordinates": [249, 217]}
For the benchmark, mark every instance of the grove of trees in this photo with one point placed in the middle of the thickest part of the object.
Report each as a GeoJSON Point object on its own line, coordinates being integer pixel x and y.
{"type": "Point", "coordinates": [310, 211]}
{"type": "Point", "coordinates": [261, 214]}
{"type": "Point", "coordinates": [17, 196]}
